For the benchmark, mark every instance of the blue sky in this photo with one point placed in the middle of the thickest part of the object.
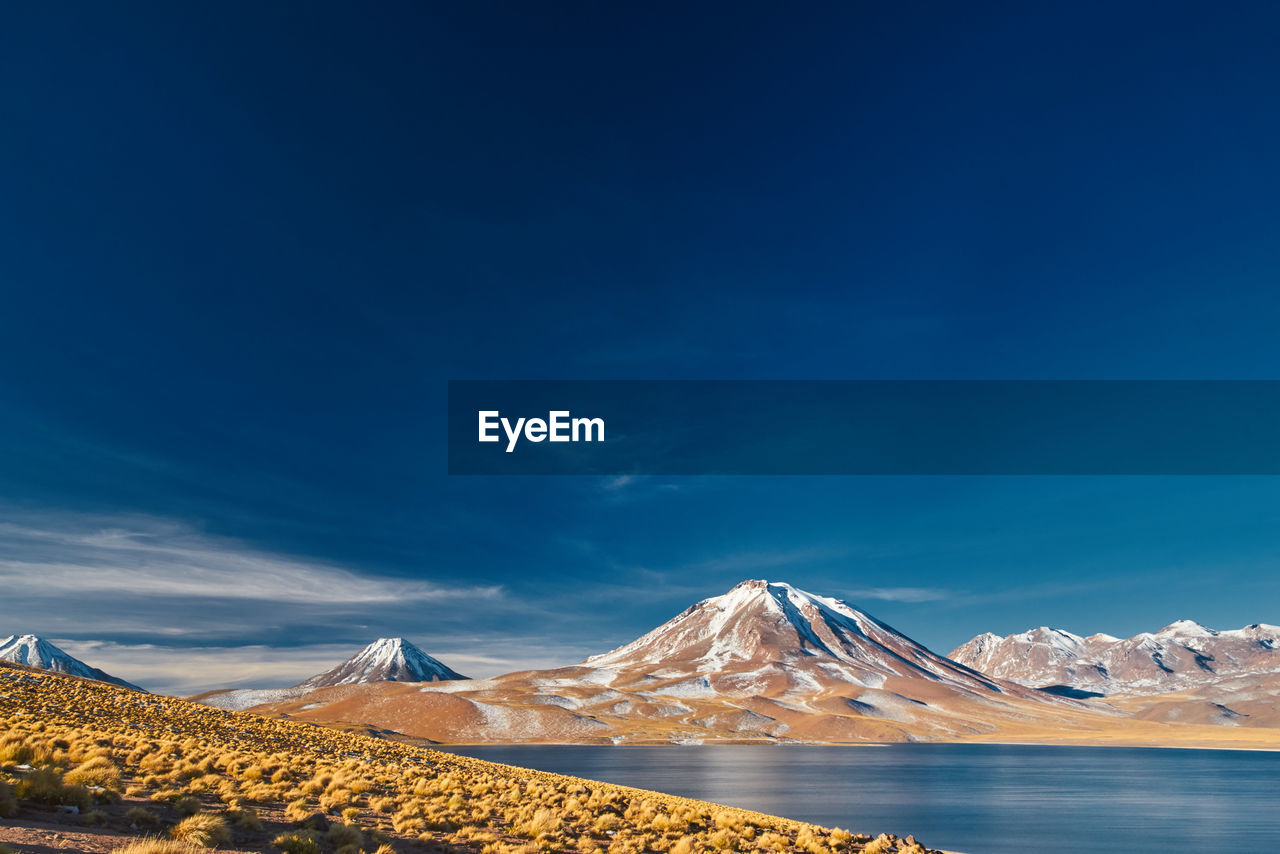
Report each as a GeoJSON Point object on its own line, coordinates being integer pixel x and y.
{"type": "Point", "coordinates": [242, 249]}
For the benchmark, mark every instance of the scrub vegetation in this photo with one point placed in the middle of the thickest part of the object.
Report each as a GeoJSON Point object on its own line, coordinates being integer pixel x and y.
{"type": "Point", "coordinates": [164, 776]}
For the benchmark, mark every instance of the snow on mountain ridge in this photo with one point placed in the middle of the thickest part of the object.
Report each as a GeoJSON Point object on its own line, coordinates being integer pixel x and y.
{"type": "Point", "coordinates": [385, 660]}
{"type": "Point", "coordinates": [764, 632]}
{"type": "Point", "coordinates": [726, 643]}
{"type": "Point", "coordinates": [34, 651]}
{"type": "Point", "coordinates": [1185, 628]}
{"type": "Point", "coordinates": [1182, 655]}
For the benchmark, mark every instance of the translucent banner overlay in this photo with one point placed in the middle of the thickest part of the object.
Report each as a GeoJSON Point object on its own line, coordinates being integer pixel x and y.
{"type": "Point", "coordinates": [864, 427]}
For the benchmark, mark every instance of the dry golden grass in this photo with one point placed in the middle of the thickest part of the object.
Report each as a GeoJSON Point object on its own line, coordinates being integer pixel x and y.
{"type": "Point", "coordinates": [95, 771]}
{"type": "Point", "coordinates": [204, 830]}
{"type": "Point", "coordinates": [156, 846]}
{"type": "Point", "coordinates": [276, 785]}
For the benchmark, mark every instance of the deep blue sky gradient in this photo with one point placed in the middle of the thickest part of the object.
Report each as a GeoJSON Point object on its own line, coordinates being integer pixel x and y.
{"type": "Point", "coordinates": [243, 246]}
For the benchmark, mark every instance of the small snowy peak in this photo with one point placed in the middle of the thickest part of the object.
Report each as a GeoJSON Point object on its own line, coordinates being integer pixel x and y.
{"type": "Point", "coordinates": [1058, 638]}
{"type": "Point", "coordinates": [34, 651]}
{"type": "Point", "coordinates": [385, 660]}
{"type": "Point", "coordinates": [1256, 631]}
{"type": "Point", "coordinates": [1186, 628]}
{"type": "Point", "coordinates": [981, 645]}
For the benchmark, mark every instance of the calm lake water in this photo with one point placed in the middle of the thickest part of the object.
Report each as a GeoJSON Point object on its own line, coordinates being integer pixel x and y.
{"type": "Point", "coordinates": [979, 799]}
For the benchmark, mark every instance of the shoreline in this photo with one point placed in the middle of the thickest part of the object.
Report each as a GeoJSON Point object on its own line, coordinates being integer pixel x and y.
{"type": "Point", "coordinates": [786, 744]}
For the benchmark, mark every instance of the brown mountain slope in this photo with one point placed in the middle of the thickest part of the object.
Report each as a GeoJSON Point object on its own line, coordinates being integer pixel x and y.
{"type": "Point", "coordinates": [1242, 701]}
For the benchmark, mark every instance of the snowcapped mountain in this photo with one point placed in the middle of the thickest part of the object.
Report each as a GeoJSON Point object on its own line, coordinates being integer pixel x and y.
{"type": "Point", "coordinates": [1181, 656]}
{"type": "Point", "coordinates": [385, 660]}
{"type": "Point", "coordinates": [765, 636]}
{"type": "Point", "coordinates": [37, 652]}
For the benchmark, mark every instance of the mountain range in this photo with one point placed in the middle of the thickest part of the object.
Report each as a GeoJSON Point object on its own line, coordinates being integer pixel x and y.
{"type": "Point", "coordinates": [767, 661]}
{"type": "Point", "coordinates": [1184, 673]}
{"type": "Point", "coordinates": [1183, 655]}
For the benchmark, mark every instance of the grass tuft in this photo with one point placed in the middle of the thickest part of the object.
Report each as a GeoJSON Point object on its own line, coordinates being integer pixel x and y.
{"type": "Point", "coordinates": [203, 830]}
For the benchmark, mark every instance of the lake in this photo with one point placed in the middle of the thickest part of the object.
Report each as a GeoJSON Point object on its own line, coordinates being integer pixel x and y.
{"type": "Point", "coordinates": [975, 798]}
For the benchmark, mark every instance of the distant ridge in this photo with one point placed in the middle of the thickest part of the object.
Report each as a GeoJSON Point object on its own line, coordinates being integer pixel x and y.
{"type": "Point", "coordinates": [1183, 655]}
{"type": "Point", "coordinates": [34, 651]}
{"type": "Point", "coordinates": [385, 660]}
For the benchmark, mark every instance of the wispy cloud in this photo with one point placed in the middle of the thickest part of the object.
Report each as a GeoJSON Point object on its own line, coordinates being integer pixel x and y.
{"type": "Point", "coordinates": [629, 487]}
{"type": "Point", "coordinates": [173, 608]}
{"type": "Point", "coordinates": [146, 557]}
{"type": "Point", "coordinates": [899, 594]}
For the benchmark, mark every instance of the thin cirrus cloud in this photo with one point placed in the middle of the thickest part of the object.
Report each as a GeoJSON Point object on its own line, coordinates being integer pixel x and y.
{"type": "Point", "coordinates": [150, 558]}
{"type": "Point", "coordinates": [900, 594]}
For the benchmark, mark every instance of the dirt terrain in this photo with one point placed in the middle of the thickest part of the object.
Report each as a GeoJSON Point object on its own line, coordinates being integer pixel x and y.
{"type": "Point", "coordinates": [87, 766]}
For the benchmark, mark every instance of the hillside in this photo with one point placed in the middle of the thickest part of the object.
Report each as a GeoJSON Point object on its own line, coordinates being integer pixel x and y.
{"type": "Point", "coordinates": [133, 765]}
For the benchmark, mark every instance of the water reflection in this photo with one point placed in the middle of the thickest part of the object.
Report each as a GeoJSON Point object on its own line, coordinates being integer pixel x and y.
{"type": "Point", "coordinates": [988, 799]}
